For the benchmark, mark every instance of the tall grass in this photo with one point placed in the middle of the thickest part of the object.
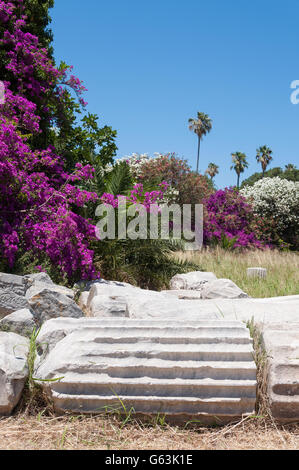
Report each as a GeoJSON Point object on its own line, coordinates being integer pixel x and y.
{"type": "Point", "coordinates": [283, 269]}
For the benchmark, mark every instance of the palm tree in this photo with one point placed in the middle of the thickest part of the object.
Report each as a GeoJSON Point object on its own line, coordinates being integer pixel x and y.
{"type": "Point", "coordinates": [239, 164]}
{"type": "Point", "coordinates": [200, 126]}
{"type": "Point", "coordinates": [290, 167]}
{"type": "Point", "coordinates": [212, 170]}
{"type": "Point", "coordinates": [264, 156]}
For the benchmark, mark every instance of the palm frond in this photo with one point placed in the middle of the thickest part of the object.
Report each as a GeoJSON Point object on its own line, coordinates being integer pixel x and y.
{"type": "Point", "coordinates": [119, 180]}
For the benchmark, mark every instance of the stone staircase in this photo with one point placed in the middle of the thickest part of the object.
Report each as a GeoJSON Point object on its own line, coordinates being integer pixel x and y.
{"type": "Point", "coordinates": [200, 370]}
{"type": "Point", "coordinates": [282, 346]}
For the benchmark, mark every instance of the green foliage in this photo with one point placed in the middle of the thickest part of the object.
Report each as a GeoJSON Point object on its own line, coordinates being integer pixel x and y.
{"type": "Point", "coordinates": [117, 181]}
{"type": "Point", "coordinates": [146, 263]}
{"type": "Point", "coordinates": [225, 242]}
{"type": "Point", "coordinates": [32, 395]}
{"type": "Point", "coordinates": [290, 173]}
{"type": "Point", "coordinates": [31, 358]}
{"type": "Point", "coordinates": [39, 19]}
{"type": "Point", "coordinates": [86, 143]}
{"type": "Point", "coordinates": [27, 262]}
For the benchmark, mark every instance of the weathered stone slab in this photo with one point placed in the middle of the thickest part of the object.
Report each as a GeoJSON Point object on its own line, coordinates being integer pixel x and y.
{"type": "Point", "coordinates": [164, 306]}
{"type": "Point", "coordinates": [109, 306]}
{"type": "Point", "coordinates": [13, 370]}
{"type": "Point", "coordinates": [38, 286]}
{"type": "Point", "coordinates": [31, 279]}
{"type": "Point", "coordinates": [11, 302]}
{"type": "Point", "coordinates": [191, 281]}
{"type": "Point", "coordinates": [263, 311]}
{"type": "Point", "coordinates": [56, 329]}
{"type": "Point", "coordinates": [183, 294]}
{"type": "Point", "coordinates": [111, 288]}
{"type": "Point", "coordinates": [48, 303]}
{"type": "Point", "coordinates": [257, 273]}
{"type": "Point", "coordinates": [21, 322]}
{"type": "Point", "coordinates": [12, 294]}
{"type": "Point", "coordinates": [82, 302]}
{"type": "Point", "coordinates": [222, 289]}
{"type": "Point", "coordinates": [281, 342]}
{"type": "Point", "coordinates": [198, 369]}
{"type": "Point", "coordinates": [12, 283]}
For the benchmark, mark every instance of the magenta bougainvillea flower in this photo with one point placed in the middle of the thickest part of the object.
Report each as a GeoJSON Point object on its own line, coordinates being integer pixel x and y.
{"type": "Point", "coordinates": [229, 216]}
{"type": "Point", "coordinates": [37, 195]}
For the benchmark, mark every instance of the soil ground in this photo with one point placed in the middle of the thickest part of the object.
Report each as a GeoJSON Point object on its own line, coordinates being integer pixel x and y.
{"type": "Point", "coordinates": [23, 432]}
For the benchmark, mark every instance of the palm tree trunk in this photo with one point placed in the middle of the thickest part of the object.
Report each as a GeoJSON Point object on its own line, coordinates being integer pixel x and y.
{"type": "Point", "coordinates": [238, 182]}
{"type": "Point", "coordinates": [197, 165]}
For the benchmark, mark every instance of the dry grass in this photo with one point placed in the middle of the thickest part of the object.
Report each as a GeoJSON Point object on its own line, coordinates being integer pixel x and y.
{"type": "Point", "coordinates": [107, 433]}
{"type": "Point", "coordinates": [283, 269]}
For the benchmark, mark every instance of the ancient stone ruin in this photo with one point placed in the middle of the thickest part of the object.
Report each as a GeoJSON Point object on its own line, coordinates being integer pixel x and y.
{"type": "Point", "coordinates": [186, 353]}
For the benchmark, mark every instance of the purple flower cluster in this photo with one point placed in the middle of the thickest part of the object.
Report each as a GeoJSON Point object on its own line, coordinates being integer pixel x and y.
{"type": "Point", "coordinates": [6, 10]}
{"type": "Point", "coordinates": [37, 195]}
{"type": "Point", "coordinates": [33, 70]}
{"type": "Point", "coordinates": [73, 82]}
{"type": "Point", "coordinates": [25, 58]}
{"type": "Point", "coordinates": [138, 196]}
{"type": "Point", "coordinates": [229, 216]}
{"type": "Point", "coordinates": [19, 110]}
{"type": "Point", "coordinates": [35, 201]}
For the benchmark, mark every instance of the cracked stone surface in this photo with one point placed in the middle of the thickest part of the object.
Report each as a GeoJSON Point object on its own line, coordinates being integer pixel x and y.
{"type": "Point", "coordinates": [13, 370]}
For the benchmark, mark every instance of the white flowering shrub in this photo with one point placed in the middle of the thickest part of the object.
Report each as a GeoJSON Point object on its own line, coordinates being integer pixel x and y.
{"type": "Point", "coordinates": [135, 162]}
{"type": "Point", "coordinates": [278, 199]}
{"type": "Point", "coordinates": [105, 170]}
{"type": "Point", "coordinates": [171, 195]}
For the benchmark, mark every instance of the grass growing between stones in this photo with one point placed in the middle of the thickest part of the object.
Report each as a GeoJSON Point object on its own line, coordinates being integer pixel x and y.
{"type": "Point", "coordinates": [34, 398]}
{"type": "Point", "coordinates": [260, 359]}
{"type": "Point", "coordinates": [283, 269]}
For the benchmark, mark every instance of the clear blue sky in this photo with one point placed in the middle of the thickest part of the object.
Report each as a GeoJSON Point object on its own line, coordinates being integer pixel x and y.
{"type": "Point", "coordinates": [151, 65]}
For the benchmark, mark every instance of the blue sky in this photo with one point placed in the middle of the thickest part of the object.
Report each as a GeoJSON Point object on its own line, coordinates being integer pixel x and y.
{"type": "Point", "coordinates": [150, 66]}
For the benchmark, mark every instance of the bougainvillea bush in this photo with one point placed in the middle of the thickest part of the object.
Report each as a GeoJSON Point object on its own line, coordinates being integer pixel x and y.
{"type": "Point", "coordinates": [230, 221]}
{"type": "Point", "coordinates": [277, 199]}
{"type": "Point", "coordinates": [36, 200]}
{"type": "Point", "coordinates": [38, 197]}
